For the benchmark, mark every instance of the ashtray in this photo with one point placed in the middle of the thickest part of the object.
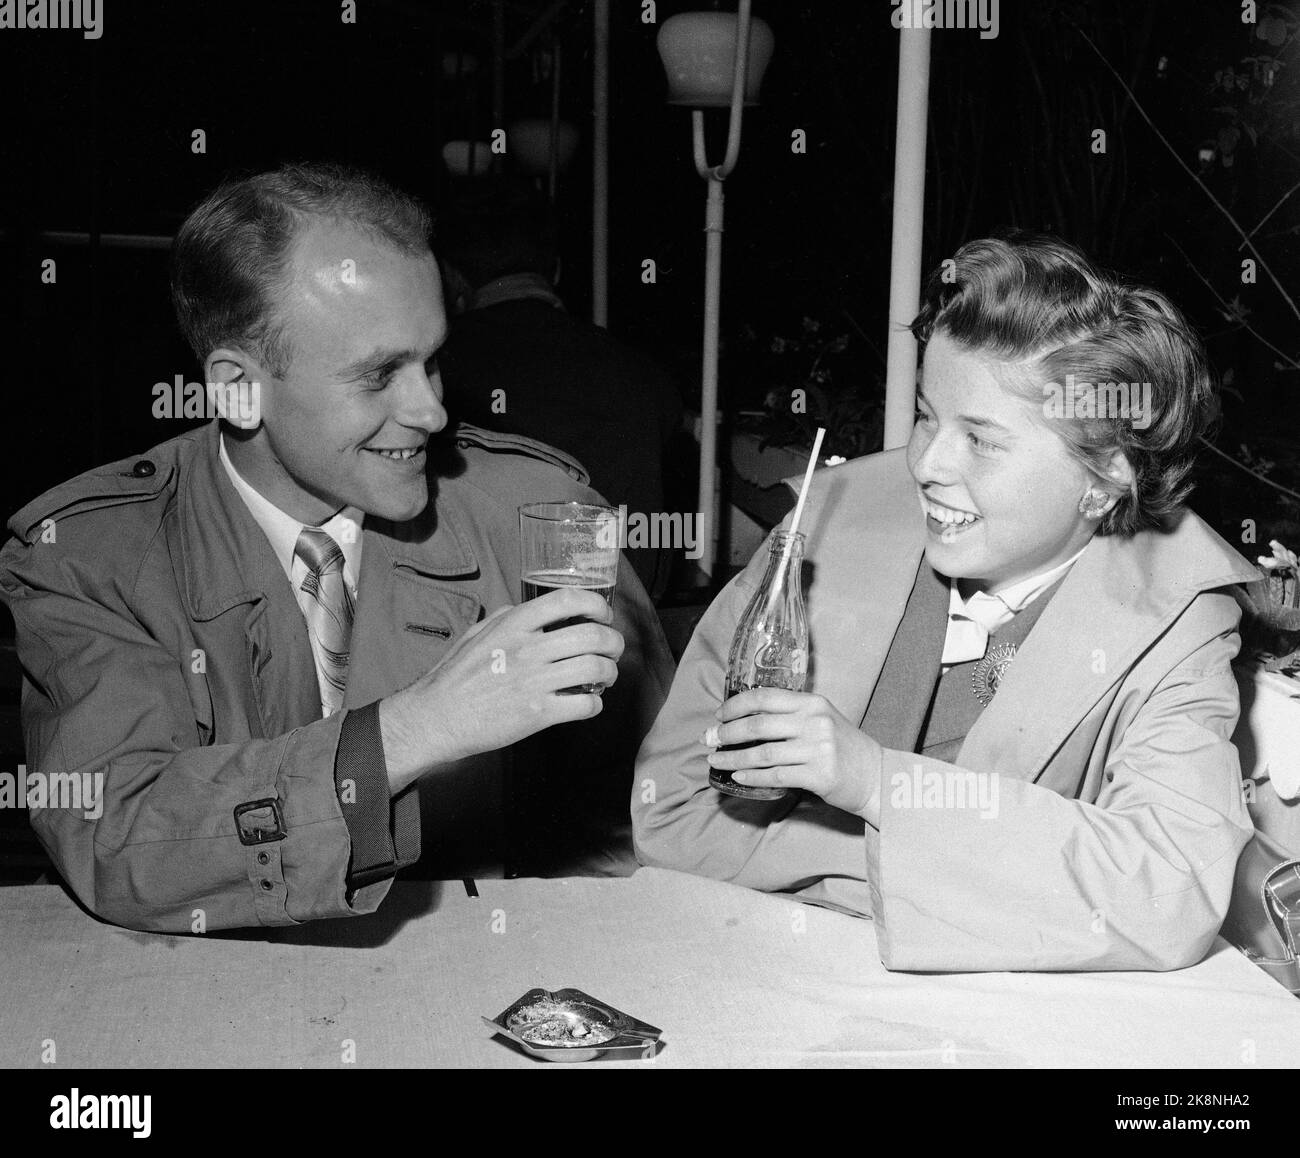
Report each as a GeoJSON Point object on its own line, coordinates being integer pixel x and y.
{"type": "Point", "coordinates": [567, 1025]}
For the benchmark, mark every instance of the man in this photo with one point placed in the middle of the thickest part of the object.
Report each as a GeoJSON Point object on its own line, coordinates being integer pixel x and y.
{"type": "Point", "coordinates": [517, 361]}
{"type": "Point", "coordinates": [258, 637]}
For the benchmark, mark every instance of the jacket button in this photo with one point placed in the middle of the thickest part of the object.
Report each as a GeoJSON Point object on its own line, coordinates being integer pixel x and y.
{"type": "Point", "coordinates": [267, 885]}
{"type": "Point", "coordinates": [143, 469]}
{"type": "Point", "coordinates": [263, 858]}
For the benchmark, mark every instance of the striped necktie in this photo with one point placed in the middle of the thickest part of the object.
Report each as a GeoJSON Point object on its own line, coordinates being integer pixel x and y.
{"type": "Point", "coordinates": [329, 610]}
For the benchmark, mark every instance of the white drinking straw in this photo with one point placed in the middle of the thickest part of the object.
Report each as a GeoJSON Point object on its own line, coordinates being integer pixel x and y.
{"type": "Point", "coordinates": [803, 490]}
{"type": "Point", "coordinates": [798, 514]}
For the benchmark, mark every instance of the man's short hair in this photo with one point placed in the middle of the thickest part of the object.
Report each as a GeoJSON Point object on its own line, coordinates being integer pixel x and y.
{"type": "Point", "coordinates": [1038, 306]}
{"type": "Point", "coordinates": [231, 256]}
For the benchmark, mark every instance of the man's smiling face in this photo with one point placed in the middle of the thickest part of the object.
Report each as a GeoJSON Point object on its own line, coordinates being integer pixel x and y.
{"type": "Point", "coordinates": [348, 423]}
{"type": "Point", "coordinates": [977, 448]}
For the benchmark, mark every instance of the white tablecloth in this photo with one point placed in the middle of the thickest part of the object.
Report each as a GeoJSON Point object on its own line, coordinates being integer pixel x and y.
{"type": "Point", "coordinates": [733, 977]}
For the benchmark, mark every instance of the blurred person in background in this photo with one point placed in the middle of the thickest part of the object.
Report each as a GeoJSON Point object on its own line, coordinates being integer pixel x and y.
{"type": "Point", "coordinates": [517, 361]}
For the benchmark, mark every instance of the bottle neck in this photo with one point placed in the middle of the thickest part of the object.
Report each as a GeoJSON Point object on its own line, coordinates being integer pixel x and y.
{"type": "Point", "coordinates": [785, 555]}
{"type": "Point", "coordinates": [785, 545]}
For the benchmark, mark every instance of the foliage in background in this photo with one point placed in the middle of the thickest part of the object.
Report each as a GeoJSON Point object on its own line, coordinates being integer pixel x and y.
{"type": "Point", "coordinates": [816, 376]}
{"type": "Point", "coordinates": [1200, 171]}
{"type": "Point", "coordinates": [1271, 619]}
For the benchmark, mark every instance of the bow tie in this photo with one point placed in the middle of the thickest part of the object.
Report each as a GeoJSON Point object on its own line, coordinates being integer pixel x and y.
{"type": "Point", "coordinates": [969, 628]}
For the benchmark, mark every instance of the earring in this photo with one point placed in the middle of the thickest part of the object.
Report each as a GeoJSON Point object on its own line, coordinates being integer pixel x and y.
{"type": "Point", "coordinates": [1094, 504]}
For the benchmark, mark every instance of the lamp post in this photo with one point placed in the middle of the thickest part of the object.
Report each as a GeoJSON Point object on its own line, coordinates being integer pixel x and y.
{"type": "Point", "coordinates": [905, 245]}
{"type": "Point", "coordinates": [713, 59]}
{"type": "Point", "coordinates": [600, 164]}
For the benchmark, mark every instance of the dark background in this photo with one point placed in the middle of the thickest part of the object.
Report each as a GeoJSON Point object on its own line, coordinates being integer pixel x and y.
{"type": "Point", "coordinates": [97, 139]}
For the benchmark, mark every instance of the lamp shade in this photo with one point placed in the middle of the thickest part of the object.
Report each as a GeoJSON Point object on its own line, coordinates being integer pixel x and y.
{"type": "Point", "coordinates": [530, 144]}
{"type": "Point", "coordinates": [456, 64]}
{"type": "Point", "coordinates": [698, 50]}
{"type": "Point", "coordinates": [456, 156]}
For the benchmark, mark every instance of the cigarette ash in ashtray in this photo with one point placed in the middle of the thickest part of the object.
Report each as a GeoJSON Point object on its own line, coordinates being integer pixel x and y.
{"type": "Point", "coordinates": [551, 1022]}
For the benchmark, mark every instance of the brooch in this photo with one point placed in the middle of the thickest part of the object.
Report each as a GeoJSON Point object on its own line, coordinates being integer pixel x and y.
{"type": "Point", "coordinates": [987, 676]}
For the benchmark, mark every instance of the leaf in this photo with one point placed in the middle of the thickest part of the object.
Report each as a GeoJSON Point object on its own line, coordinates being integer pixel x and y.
{"type": "Point", "coordinates": [1237, 310]}
{"type": "Point", "coordinates": [1273, 30]}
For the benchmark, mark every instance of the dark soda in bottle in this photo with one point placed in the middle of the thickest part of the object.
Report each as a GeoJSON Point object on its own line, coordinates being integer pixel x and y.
{"type": "Point", "coordinates": [770, 647]}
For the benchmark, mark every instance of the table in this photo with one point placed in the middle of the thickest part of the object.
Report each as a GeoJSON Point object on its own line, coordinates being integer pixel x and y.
{"type": "Point", "coordinates": [733, 977]}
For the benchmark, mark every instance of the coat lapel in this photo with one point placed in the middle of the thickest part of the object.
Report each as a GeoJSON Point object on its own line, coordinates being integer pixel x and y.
{"type": "Point", "coordinates": [230, 569]}
{"type": "Point", "coordinates": [413, 601]}
{"type": "Point", "coordinates": [867, 536]}
{"type": "Point", "coordinates": [412, 597]}
{"type": "Point", "coordinates": [863, 570]}
{"type": "Point", "coordinates": [1114, 603]}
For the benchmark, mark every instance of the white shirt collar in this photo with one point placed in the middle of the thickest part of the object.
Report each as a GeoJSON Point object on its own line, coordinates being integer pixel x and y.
{"type": "Point", "coordinates": [283, 530]}
{"type": "Point", "coordinates": [971, 621]}
{"type": "Point", "coordinates": [1011, 599]}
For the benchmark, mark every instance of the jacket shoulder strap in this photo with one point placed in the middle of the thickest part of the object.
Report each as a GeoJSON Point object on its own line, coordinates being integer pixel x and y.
{"type": "Point", "coordinates": [495, 442]}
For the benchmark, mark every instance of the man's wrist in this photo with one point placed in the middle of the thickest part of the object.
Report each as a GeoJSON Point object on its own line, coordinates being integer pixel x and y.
{"type": "Point", "coordinates": [402, 755]}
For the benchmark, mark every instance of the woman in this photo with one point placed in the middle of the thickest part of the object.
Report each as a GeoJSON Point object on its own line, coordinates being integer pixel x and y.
{"type": "Point", "coordinates": [1014, 743]}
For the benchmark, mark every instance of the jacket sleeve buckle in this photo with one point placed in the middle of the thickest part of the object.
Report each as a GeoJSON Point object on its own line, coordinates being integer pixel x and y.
{"type": "Point", "coordinates": [259, 821]}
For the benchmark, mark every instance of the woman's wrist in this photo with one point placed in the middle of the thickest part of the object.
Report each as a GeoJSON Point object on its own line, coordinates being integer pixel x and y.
{"type": "Point", "coordinates": [875, 762]}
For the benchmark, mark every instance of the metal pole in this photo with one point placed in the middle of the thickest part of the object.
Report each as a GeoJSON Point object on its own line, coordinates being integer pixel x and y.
{"type": "Point", "coordinates": [106, 240]}
{"type": "Point", "coordinates": [535, 29]}
{"type": "Point", "coordinates": [498, 74]}
{"type": "Point", "coordinates": [99, 410]}
{"type": "Point", "coordinates": [707, 495]}
{"type": "Point", "coordinates": [905, 252]}
{"type": "Point", "coordinates": [553, 180]}
{"type": "Point", "coordinates": [713, 223]}
{"type": "Point", "coordinates": [435, 113]}
{"type": "Point", "coordinates": [600, 169]}
{"type": "Point", "coordinates": [473, 134]}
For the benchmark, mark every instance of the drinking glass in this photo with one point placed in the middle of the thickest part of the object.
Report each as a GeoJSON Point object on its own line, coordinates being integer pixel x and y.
{"type": "Point", "coordinates": [569, 544]}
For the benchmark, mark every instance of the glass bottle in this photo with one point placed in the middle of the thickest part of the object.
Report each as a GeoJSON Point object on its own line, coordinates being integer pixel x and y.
{"type": "Point", "coordinates": [770, 647]}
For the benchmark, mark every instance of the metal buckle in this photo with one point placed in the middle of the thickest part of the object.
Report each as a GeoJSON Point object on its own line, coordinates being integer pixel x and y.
{"type": "Point", "coordinates": [259, 821]}
{"type": "Point", "coordinates": [1282, 892]}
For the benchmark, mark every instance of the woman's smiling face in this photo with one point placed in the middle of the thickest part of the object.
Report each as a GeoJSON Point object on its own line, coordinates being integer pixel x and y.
{"type": "Point", "coordinates": [979, 449]}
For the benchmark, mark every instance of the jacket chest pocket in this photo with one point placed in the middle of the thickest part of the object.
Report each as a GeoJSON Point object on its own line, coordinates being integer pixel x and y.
{"type": "Point", "coordinates": [433, 615]}
{"type": "Point", "coordinates": [403, 629]}
{"type": "Point", "coordinates": [196, 665]}
{"type": "Point", "coordinates": [430, 630]}
{"type": "Point", "coordinates": [241, 688]}
{"type": "Point", "coordinates": [216, 673]}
